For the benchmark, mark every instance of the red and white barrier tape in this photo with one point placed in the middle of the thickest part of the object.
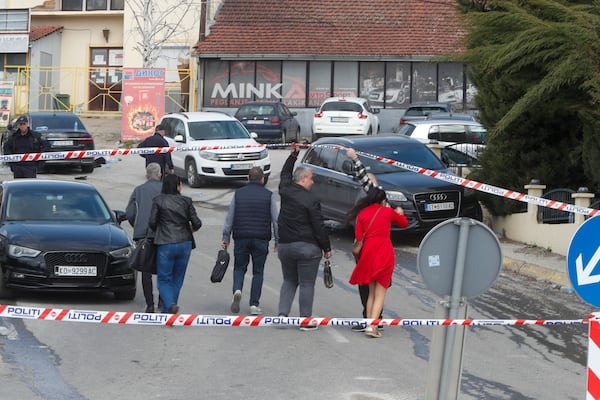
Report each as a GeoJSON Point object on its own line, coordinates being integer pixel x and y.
{"type": "Point", "coordinates": [454, 179]}
{"type": "Point", "coordinates": [68, 155]}
{"type": "Point", "coordinates": [133, 318]}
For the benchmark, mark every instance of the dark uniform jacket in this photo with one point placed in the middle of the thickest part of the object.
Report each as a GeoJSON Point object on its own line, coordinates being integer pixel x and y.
{"type": "Point", "coordinates": [31, 142]}
{"type": "Point", "coordinates": [163, 159]}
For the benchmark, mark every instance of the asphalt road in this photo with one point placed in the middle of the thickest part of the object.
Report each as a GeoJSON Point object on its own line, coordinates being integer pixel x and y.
{"type": "Point", "coordinates": [60, 360]}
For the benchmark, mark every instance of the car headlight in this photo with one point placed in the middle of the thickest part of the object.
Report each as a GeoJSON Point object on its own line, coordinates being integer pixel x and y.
{"type": "Point", "coordinates": [17, 251]}
{"type": "Point", "coordinates": [209, 155]}
{"type": "Point", "coordinates": [123, 252]}
{"type": "Point", "coordinates": [395, 196]}
{"type": "Point", "coordinates": [264, 153]}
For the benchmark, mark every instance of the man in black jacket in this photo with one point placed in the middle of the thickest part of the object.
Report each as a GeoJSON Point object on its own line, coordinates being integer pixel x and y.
{"type": "Point", "coordinates": [303, 238]}
{"type": "Point", "coordinates": [24, 140]}
{"type": "Point", "coordinates": [162, 159]}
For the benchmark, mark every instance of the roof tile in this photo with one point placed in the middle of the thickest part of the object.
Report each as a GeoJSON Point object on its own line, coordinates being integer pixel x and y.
{"type": "Point", "coordinates": [397, 28]}
{"type": "Point", "coordinates": [38, 32]}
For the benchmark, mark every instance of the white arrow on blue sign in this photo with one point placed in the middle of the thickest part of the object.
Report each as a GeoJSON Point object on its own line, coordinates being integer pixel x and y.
{"type": "Point", "coordinates": [583, 261]}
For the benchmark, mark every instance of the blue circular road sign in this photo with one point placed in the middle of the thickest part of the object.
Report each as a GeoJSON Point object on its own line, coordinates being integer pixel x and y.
{"type": "Point", "coordinates": [583, 261]}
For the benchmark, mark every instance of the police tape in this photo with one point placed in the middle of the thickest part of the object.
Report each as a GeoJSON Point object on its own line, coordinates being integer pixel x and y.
{"type": "Point", "coordinates": [158, 319]}
{"type": "Point", "coordinates": [450, 178]}
{"type": "Point", "coordinates": [69, 155]}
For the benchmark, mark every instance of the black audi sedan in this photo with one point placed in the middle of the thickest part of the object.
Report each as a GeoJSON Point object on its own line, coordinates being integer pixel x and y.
{"type": "Point", "coordinates": [57, 235]}
{"type": "Point", "coordinates": [64, 131]}
{"type": "Point", "coordinates": [426, 201]}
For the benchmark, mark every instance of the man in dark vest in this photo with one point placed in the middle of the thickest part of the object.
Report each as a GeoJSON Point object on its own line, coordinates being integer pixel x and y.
{"type": "Point", "coordinates": [252, 217]}
{"type": "Point", "coordinates": [24, 140]}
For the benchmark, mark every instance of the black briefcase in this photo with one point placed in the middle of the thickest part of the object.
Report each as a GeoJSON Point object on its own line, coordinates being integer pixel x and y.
{"type": "Point", "coordinates": [220, 267]}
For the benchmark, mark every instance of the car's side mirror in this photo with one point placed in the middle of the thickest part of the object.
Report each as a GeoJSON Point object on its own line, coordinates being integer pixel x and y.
{"type": "Point", "coordinates": [120, 215]}
{"type": "Point", "coordinates": [254, 135]}
{"type": "Point", "coordinates": [348, 167]}
{"type": "Point", "coordinates": [178, 138]}
{"type": "Point", "coordinates": [294, 113]}
{"type": "Point", "coordinates": [376, 110]}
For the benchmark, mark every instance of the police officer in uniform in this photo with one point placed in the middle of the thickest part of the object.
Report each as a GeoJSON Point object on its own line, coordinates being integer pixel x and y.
{"type": "Point", "coordinates": [24, 140]}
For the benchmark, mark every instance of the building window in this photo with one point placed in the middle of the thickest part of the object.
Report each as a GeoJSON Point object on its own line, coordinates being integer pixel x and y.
{"type": "Point", "coordinates": [117, 4]}
{"type": "Point", "coordinates": [9, 67]}
{"type": "Point", "coordinates": [95, 5]}
{"type": "Point", "coordinates": [14, 20]}
{"type": "Point", "coordinates": [72, 5]}
{"type": "Point", "coordinates": [92, 5]}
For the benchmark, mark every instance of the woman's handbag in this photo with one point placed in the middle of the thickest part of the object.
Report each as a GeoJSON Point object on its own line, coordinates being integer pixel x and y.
{"type": "Point", "coordinates": [359, 244]}
{"type": "Point", "coordinates": [327, 274]}
{"type": "Point", "coordinates": [144, 256]}
{"type": "Point", "coordinates": [220, 267]}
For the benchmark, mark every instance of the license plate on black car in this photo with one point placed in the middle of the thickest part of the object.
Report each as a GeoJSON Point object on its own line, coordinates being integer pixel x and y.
{"type": "Point", "coordinates": [439, 206]}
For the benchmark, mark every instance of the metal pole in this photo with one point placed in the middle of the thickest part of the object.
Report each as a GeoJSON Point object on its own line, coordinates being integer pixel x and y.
{"type": "Point", "coordinates": [455, 297]}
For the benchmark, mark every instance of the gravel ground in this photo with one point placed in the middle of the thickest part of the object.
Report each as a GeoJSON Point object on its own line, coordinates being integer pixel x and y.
{"type": "Point", "coordinates": [105, 130]}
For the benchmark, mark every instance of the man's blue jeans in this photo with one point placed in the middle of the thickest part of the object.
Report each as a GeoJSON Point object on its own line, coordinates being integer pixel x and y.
{"type": "Point", "coordinates": [171, 264]}
{"type": "Point", "coordinates": [243, 249]}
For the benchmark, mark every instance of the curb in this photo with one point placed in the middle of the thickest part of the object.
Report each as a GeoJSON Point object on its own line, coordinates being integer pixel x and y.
{"type": "Point", "coordinates": [535, 271]}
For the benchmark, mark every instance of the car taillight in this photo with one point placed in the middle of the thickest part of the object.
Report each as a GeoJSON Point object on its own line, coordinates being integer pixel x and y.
{"type": "Point", "coordinates": [319, 115]}
{"type": "Point", "coordinates": [362, 116]}
{"type": "Point", "coordinates": [275, 121]}
{"type": "Point", "coordinates": [402, 121]}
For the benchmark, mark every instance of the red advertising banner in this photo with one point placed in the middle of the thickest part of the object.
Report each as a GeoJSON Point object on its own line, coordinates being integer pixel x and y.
{"type": "Point", "coordinates": [143, 101]}
{"type": "Point", "coordinates": [6, 99]}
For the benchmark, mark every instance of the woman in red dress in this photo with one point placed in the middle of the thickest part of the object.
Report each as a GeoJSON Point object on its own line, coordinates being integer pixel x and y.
{"type": "Point", "coordinates": [376, 263]}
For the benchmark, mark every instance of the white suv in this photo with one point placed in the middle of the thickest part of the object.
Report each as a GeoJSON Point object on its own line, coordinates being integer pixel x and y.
{"type": "Point", "coordinates": [235, 150]}
{"type": "Point", "coordinates": [340, 116]}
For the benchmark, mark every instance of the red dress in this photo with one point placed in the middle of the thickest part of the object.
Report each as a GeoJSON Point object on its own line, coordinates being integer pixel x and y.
{"type": "Point", "coordinates": [377, 260]}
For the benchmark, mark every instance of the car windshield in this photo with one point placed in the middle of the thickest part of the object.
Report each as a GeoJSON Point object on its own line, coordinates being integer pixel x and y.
{"type": "Point", "coordinates": [57, 123]}
{"type": "Point", "coordinates": [255, 110]}
{"type": "Point", "coordinates": [216, 130]}
{"type": "Point", "coordinates": [341, 106]}
{"type": "Point", "coordinates": [413, 154]}
{"type": "Point", "coordinates": [60, 205]}
{"type": "Point", "coordinates": [421, 111]}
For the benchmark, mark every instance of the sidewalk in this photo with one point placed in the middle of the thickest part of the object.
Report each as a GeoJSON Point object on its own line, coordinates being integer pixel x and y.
{"type": "Point", "coordinates": [536, 262]}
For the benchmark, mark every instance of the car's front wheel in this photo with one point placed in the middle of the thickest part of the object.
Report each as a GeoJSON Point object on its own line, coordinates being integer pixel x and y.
{"type": "Point", "coordinates": [191, 172]}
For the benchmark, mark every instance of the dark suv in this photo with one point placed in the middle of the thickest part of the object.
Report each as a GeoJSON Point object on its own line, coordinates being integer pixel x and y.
{"type": "Point", "coordinates": [270, 121]}
{"type": "Point", "coordinates": [426, 201]}
{"type": "Point", "coordinates": [64, 131]}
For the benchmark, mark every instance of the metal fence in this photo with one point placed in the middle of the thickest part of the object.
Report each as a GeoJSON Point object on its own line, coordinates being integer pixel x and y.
{"type": "Point", "coordinates": [90, 91]}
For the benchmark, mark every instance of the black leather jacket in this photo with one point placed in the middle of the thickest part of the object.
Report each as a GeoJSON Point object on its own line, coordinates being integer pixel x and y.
{"type": "Point", "coordinates": [173, 217]}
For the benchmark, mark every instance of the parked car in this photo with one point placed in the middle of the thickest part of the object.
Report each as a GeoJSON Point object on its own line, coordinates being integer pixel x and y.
{"type": "Point", "coordinates": [233, 149]}
{"type": "Point", "coordinates": [57, 235]}
{"type": "Point", "coordinates": [453, 116]}
{"type": "Point", "coordinates": [445, 131]}
{"type": "Point", "coordinates": [64, 131]}
{"type": "Point", "coordinates": [420, 111]}
{"type": "Point", "coordinates": [270, 121]}
{"type": "Point", "coordinates": [426, 201]}
{"type": "Point", "coordinates": [339, 116]}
